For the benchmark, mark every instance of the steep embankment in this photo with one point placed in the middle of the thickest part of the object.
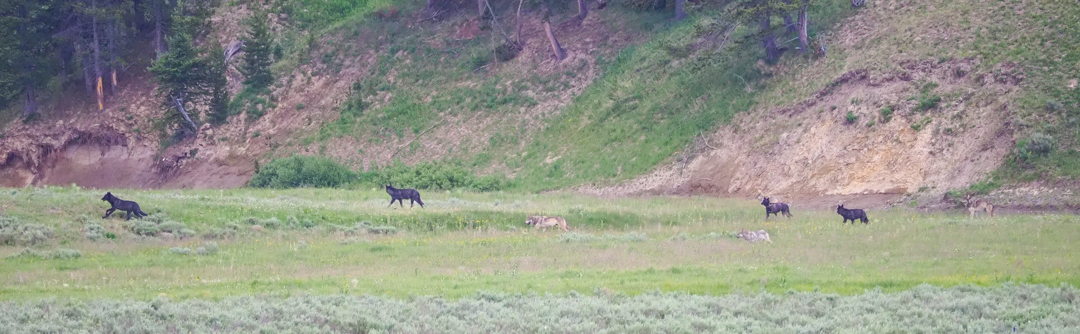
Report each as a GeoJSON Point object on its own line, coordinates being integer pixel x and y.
{"type": "Point", "coordinates": [423, 87]}
{"type": "Point", "coordinates": [915, 97]}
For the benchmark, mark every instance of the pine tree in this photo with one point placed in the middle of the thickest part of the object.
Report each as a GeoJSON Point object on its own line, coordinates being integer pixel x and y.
{"type": "Point", "coordinates": [219, 93]}
{"type": "Point", "coordinates": [257, 52]}
{"type": "Point", "coordinates": [181, 78]}
{"type": "Point", "coordinates": [27, 51]}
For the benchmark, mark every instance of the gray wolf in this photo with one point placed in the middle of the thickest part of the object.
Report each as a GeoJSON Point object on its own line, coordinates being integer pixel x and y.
{"type": "Point", "coordinates": [117, 203]}
{"type": "Point", "coordinates": [754, 236]}
{"type": "Point", "coordinates": [775, 208]}
{"type": "Point", "coordinates": [400, 194]}
{"type": "Point", "coordinates": [980, 205]}
{"type": "Point", "coordinates": [546, 221]}
{"type": "Point", "coordinates": [852, 214]}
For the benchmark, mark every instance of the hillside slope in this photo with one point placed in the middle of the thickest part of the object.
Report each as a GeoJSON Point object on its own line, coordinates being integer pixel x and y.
{"type": "Point", "coordinates": [918, 96]}
{"type": "Point", "coordinates": [911, 100]}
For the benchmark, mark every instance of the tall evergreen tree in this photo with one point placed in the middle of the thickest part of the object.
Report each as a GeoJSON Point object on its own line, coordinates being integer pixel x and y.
{"type": "Point", "coordinates": [27, 55]}
{"type": "Point", "coordinates": [9, 46]}
{"type": "Point", "coordinates": [181, 77]}
{"type": "Point", "coordinates": [257, 52]}
{"type": "Point", "coordinates": [218, 110]}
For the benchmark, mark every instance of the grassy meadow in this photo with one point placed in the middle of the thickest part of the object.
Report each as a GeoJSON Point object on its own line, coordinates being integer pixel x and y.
{"type": "Point", "coordinates": [334, 241]}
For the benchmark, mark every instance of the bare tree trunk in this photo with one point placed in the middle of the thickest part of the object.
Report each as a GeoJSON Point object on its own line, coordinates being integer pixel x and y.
{"type": "Point", "coordinates": [680, 14]}
{"type": "Point", "coordinates": [560, 54]}
{"type": "Point", "coordinates": [583, 9]}
{"type": "Point", "coordinates": [26, 67]}
{"type": "Point", "coordinates": [768, 40]}
{"type": "Point", "coordinates": [31, 100]}
{"type": "Point", "coordinates": [481, 6]}
{"type": "Point", "coordinates": [519, 42]}
{"type": "Point", "coordinates": [88, 75]}
{"type": "Point", "coordinates": [112, 39]}
{"type": "Point", "coordinates": [158, 33]}
{"type": "Point", "coordinates": [804, 41]}
{"type": "Point", "coordinates": [97, 58]}
{"type": "Point", "coordinates": [789, 23]}
{"type": "Point", "coordinates": [183, 112]}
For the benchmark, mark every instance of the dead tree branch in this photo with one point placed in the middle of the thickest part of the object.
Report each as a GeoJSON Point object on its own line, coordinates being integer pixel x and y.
{"type": "Point", "coordinates": [560, 53]}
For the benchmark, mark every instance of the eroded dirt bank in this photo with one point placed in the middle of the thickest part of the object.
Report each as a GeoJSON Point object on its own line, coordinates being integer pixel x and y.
{"type": "Point", "coordinates": [836, 145]}
{"type": "Point", "coordinates": [101, 156]}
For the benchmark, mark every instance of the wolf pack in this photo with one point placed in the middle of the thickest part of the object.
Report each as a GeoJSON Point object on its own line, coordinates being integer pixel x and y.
{"type": "Point", "coordinates": [772, 208]}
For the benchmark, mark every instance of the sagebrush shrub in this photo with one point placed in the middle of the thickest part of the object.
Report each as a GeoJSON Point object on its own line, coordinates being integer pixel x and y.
{"type": "Point", "coordinates": [16, 233]}
{"type": "Point", "coordinates": [297, 223]}
{"type": "Point", "coordinates": [271, 222]}
{"type": "Point", "coordinates": [60, 253]}
{"type": "Point", "coordinates": [1007, 308]}
{"type": "Point", "coordinates": [145, 228]}
{"type": "Point", "coordinates": [220, 233]}
{"type": "Point", "coordinates": [1037, 145]}
{"type": "Point", "coordinates": [171, 227]}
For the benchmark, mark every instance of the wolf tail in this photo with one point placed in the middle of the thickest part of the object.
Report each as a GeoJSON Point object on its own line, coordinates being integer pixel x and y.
{"type": "Point", "coordinates": [419, 201]}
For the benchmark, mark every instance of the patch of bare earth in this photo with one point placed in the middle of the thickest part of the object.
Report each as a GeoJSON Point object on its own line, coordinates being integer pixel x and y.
{"type": "Point", "coordinates": [810, 152]}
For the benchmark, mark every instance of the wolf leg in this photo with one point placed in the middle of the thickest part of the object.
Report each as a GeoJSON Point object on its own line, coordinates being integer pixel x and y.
{"type": "Point", "coordinates": [108, 212]}
{"type": "Point", "coordinates": [127, 216]}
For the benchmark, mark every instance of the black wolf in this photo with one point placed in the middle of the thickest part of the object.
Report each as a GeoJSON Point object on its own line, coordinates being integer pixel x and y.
{"type": "Point", "coordinates": [117, 203]}
{"type": "Point", "coordinates": [775, 208]}
{"type": "Point", "coordinates": [852, 214]}
{"type": "Point", "coordinates": [400, 194]}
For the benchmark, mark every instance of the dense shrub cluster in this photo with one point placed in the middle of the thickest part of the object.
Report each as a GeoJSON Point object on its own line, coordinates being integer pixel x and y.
{"type": "Point", "coordinates": [923, 309]}
{"type": "Point", "coordinates": [364, 227]}
{"type": "Point", "coordinates": [59, 253]}
{"type": "Point", "coordinates": [271, 222]}
{"type": "Point", "coordinates": [1038, 145]}
{"type": "Point", "coordinates": [302, 171]}
{"type": "Point", "coordinates": [229, 231]}
{"type": "Point", "coordinates": [158, 223]}
{"type": "Point", "coordinates": [16, 233]}
{"type": "Point", "coordinates": [206, 249]}
{"type": "Point", "coordinates": [305, 171]}
{"type": "Point", "coordinates": [435, 176]}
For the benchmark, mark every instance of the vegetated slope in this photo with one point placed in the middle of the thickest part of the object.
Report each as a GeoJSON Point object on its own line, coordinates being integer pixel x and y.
{"type": "Point", "coordinates": [638, 92]}
{"type": "Point", "coordinates": [362, 89]}
{"type": "Point", "coordinates": [913, 96]}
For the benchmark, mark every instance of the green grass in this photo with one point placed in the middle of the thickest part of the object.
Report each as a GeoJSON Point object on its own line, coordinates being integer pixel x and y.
{"type": "Point", "coordinates": [464, 242]}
